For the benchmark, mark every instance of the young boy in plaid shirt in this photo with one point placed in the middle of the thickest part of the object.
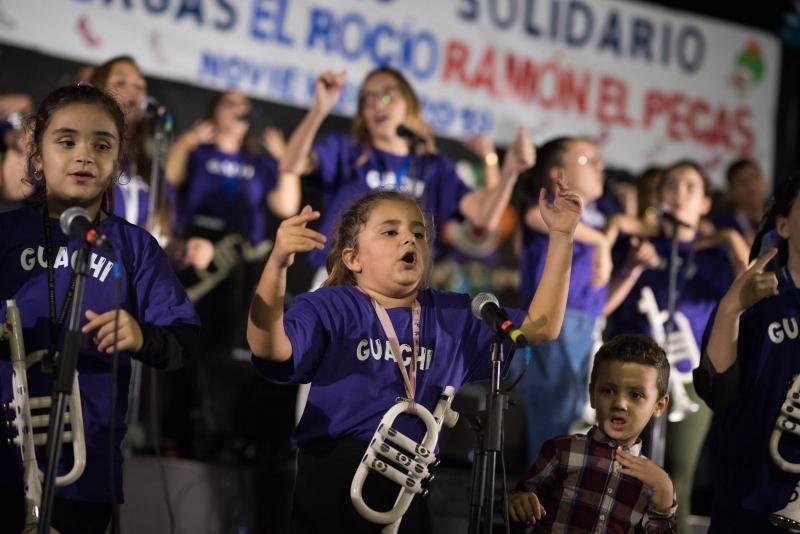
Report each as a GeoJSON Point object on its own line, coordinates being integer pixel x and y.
{"type": "Point", "coordinates": [598, 481]}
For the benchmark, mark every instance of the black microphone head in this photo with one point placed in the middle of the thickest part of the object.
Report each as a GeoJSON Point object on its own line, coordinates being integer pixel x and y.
{"type": "Point", "coordinates": [404, 131]}
{"type": "Point", "coordinates": [68, 218]}
{"type": "Point", "coordinates": [480, 300]}
{"type": "Point", "coordinates": [151, 106]}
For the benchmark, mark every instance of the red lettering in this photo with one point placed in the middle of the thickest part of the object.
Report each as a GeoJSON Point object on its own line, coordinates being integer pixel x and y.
{"type": "Point", "coordinates": [521, 77]}
{"type": "Point", "coordinates": [655, 103]}
{"type": "Point", "coordinates": [456, 56]}
{"type": "Point", "coordinates": [742, 127]}
{"type": "Point", "coordinates": [677, 117]}
{"type": "Point", "coordinates": [574, 91]}
{"type": "Point", "coordinates": [698, 112]}
{"type": "Point", "coordinates": [612, 102]}
{"type": "Point", "coordinates": [484, 74]}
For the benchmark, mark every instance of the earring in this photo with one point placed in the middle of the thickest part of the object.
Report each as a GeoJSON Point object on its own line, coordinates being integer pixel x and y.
{"type": "Point", "coordinates": [38, 174]}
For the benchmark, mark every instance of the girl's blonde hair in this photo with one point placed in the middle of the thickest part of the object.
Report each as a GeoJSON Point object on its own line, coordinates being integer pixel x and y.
{"type": "Point", "coordinates": [413, 120]}
{"type": "Point", "coordinates": [351, 222]}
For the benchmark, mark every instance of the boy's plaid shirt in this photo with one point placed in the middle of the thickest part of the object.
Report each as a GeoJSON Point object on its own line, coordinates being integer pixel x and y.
{"type": "Point", "coordinates": [576, 481]}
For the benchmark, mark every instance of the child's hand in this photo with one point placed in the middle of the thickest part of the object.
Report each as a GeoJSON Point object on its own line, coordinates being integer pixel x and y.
{"type": "Point", "coordinates": [524, 507]}
{"type": "Point", "coordinates": [564, 213]}
{"type": "Point", "coordinates": [752, 285]}
{"type": "Point", "coordinates": [327, 89]}
{"type": "Point", "coordinates": [203, 132]}
{"type": "Point", "coordinates": [521, 155]}
{"type": "Point", "coordinates": [129, 334]}
{"type": "Point", "coordinates": [293, 237]}
{"type": "Point", "coordinates": [641, 256]}
{"type": "Point", "coordinates": [650, 474]}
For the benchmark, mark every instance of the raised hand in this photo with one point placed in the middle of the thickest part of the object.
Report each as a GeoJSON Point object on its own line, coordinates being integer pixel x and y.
{"type": "Point", "coordinates": [650, 474]}
{"type": "Point", "coordinates": [524, 507]}
{"type": "Point", "coordinates": [521, 155]}
{"type": "Point", "coordinates": [565, 211]}
{"type": "Point", "coordinates": [327, 89]}
{"type": "Point", "coordinates": [752, 285]}
{"type": "Point", "coordinates": [129, 333]}
{"type": "Point", "coordinates": [293, 237]}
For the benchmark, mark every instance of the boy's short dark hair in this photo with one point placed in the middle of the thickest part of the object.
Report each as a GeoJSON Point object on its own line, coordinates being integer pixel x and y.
{"type": "Point", "coordinates": [635, 348]}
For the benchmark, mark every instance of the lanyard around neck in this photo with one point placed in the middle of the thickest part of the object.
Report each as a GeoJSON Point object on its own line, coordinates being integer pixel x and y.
{"type": "Point", "coordinates": [409, 382]}
{"type": "Point", "coordinates": [401, 171]}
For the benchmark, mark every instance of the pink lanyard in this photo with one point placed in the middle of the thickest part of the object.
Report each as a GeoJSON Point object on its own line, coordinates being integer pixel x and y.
{"type": "Point", "coordinates": [388, 328]}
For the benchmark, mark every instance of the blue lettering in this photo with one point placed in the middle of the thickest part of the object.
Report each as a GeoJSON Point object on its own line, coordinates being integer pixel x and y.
{"type": "Point", "coordinates": [610, 36]}
{"type": "Point", "coordinates": [153, 6]}
{"type": "Point", "coordinates": [641, 39]}
{"type": "Point", "coordinates": [354, 51]}
{"type": "Point", "coordinates": [531, 27]}
{"type": "Point", "coordinates": [321, 28]}
{"type": "Point", "coordinates": [193, 8]}
{"type": "Point", "coordinates": [666, 46]}
{"type": "Point", "coordinates": [497, 19]}
{"type": "Point", "coordinates": [226, 24]}
{"type": "Point", "coordinates": [421, 41]}
{"type": "Point", "coordinates": [273, 14]}
{"type": "Point", "coordinates": [382, 29]}
{"type": "Point", "coordinates": [578, 12]}
{"type": "Point", "coordinates": [439, 113]}
{"type": "Point", "coordinates": [471, 14]}
{"type": "Point", "coordinates": [691, 48]}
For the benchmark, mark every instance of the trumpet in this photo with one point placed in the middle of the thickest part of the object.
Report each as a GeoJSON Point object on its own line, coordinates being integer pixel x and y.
{"type": "Point", "coordinates": [32, 429]}
{"type": "Point", "coordinates": [680, 346]}
{"type": "Point", "coordinates": [788, 517]}
{"type": "Point", "coordinates": [413, 475]}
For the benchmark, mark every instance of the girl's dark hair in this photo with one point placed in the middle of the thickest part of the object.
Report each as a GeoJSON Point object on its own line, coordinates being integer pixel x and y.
{"type": "Point", "coordinates": [38, 123]}
{"type": "Point", "coordinates": [779, 206]}
{"type": "Point", "coordinates": [738, 166]}
{"type": "Point", "coordinates": [250, 145]}
{"type": "Point", "coordinates": [634, 348]}
{"type": "Point", "coordinates": [549, 155]}
{"type": "Point", "coordinates": [690, 164]}
{"type": "Point", "coordinates": [350, 224]}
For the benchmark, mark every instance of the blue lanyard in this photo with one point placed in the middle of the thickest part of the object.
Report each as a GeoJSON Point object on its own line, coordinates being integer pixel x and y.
{"type": "Point", "coordinates": [401, 171]}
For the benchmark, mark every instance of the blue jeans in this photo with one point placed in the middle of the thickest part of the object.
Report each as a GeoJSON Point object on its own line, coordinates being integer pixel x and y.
{"type": "Point", "coordinates": [554, 389]}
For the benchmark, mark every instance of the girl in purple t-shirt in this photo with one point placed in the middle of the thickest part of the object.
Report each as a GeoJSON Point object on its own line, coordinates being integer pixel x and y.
{"type": "Point", "coordinates": [748, 376]}
{"type": "Point", "coordinates": [77, 152]}
{"type": "Point", "coordinates": [334, 338]}
{"type": "Point", "coordinates": [376, 156]}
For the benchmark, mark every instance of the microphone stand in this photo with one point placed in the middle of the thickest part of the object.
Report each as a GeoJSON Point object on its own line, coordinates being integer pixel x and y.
{"type": "Point", "coordinates": [62, 390]}
{"type": "Point", "coordinates": [659, 430]}
{"type": "Point", "coordinates": [161, 127]}
{"type": "Point", "coordinates": [485, 465]}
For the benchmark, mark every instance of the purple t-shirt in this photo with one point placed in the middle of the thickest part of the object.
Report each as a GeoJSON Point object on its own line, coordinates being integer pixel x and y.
{"type": "Point", "coordinates": [150, 292]}
{"type": "Point", "coordinates": [229, 188]}
{"type": "Point", "coordinates": [339, 345]}
{"type": "Point", "coordinates": [768, 358]}
{"type": "Point", "coordinates": [701, 287]}
{"type": "Point", "coordinates": [342, 177]}
{"type": "Point", "coordinates": [582, 296]}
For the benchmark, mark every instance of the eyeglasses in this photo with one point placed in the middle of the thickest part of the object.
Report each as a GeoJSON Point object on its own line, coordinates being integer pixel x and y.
{"type": "Point", "coordinates": [385, 97]}
{"type": "Point", "coordinates": [595, 162]}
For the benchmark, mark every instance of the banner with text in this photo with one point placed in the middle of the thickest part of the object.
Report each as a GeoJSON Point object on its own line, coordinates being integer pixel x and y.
{"type": "Point", "coordinates": [651, 85]}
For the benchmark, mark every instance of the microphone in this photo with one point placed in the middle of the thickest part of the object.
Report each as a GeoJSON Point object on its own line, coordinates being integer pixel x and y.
{"type": "Point", "coordinates": [75, 222]}
{"type": "Point", "coordinates": [150, 106]}
{"type": "Point", "coordinates": [662, 212]}
{"type": "Point", "coordinates": [486, 307]}
{"type": "Point", "coordinates": [413, 137]}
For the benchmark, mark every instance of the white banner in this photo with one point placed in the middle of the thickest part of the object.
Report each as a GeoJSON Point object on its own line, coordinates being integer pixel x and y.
{"type": "Point", "coordinates": [651, 85]}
